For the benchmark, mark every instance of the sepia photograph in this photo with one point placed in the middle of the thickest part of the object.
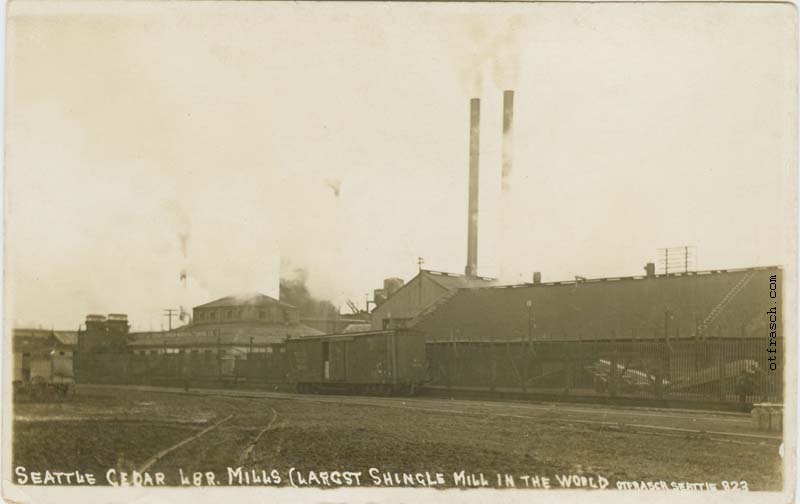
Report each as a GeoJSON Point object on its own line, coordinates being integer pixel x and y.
{"type": "Point", "coordinates": [399, 252]}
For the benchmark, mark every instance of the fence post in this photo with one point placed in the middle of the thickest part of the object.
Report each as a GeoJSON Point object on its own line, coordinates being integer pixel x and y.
{"type": "Point", "coordinates": [456, 367]}
{"type": "Point", "coordinates": [524, 371]}
{"type": "Point", "coordinates": [612, 375]}
{"type": "Point", "coordinates": [659, 372]}
{"type": "Point", "coordinates": [719, 369]}
{"type": "Point", "coordinates": [492, 367]}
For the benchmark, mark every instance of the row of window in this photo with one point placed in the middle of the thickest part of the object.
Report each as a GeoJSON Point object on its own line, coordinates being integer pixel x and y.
{"type": "Point", "coordinates": [236, 314]}
{"type": "Point", "coordinates": [198, 351]}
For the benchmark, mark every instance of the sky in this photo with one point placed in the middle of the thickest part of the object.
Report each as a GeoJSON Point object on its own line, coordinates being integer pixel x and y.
{"type": "Point", "coordinates": [162, 155]}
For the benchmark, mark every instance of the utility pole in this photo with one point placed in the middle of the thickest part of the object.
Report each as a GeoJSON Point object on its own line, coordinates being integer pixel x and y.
{"type": "Point", "coordinates": [686, 259]}
{"type": "Point", "coordinates": [169, 312]}
{"type": "Point", "coordinates": [529, 304]}
{"type": "Point", "coordinates": [667, 316]}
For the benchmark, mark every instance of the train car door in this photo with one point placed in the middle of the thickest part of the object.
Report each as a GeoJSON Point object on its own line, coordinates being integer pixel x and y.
{"type": "Point", "coordinates": [326, 362]}
{"type": "Point", "coordinates": [338, 360]}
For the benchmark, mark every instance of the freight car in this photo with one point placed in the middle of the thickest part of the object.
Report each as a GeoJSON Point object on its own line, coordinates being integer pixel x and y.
{"type": "Point", "coordinates": [43, 374]}
{"type": "Point", "coordinates": [375, 362]}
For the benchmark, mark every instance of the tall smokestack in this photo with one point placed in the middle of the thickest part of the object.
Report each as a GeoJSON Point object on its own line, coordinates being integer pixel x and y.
{"type": "Point", "coordinates": [508, 117]}
{"type": "Point", "coordinates": [474, 155]}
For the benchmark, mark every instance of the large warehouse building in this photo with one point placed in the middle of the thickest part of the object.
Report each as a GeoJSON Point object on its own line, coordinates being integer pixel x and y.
{"type": "Point", "coordinates": [719, 303]}
{"type": "Point", "coordinates": [699, 335]}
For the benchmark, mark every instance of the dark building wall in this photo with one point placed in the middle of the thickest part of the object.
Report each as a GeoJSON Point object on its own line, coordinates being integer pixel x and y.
{"type": "Point", "coordinates": [103, 337]}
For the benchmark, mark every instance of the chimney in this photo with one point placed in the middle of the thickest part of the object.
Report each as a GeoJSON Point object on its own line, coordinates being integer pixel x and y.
{"type": "Point", "coordinates": [391, 285]}
{"type": "Point", "coordinates": [472, 217]}
{"type": "Point", "coordinates": [650, 270]}
{"type": "Point", "coordinates": [537, 277]}
{"type": "Point", "coordinates": [508, 117]}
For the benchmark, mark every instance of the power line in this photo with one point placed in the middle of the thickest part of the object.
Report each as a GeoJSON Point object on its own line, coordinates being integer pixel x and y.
{"type": "Point", "coordinates": [169, 312]}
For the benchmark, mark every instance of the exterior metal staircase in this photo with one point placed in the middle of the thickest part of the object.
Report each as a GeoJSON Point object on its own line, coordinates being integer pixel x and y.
{"type": "Point", "coordinates": [723, 303]}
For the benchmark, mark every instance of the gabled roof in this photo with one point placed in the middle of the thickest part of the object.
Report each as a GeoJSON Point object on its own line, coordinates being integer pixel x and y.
{"type": "Point", "coordinates": [447, 281]}
{"type": "Point", "coordinates": [250, 299]}
{"type": "Point", "coordinates": [45, 336]}
{"type": "Point", "coordinates": [66, 338]}
{"type": "Point", "coordinates": [451, 281]}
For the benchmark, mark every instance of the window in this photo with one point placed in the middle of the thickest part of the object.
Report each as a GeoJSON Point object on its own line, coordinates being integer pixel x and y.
{"type": "Point", "coordinates": [262, 314]}
{"type": "Point", "coordinates": [199, 315]}
{"type": "Point", "coordinates": [60, 353]}
{"type": "Point", "coordinates": [228, 314]}
{"type": "Point", "coordinates": [269, 349]}
{"type": "Point", "coordinates": [212, 315]}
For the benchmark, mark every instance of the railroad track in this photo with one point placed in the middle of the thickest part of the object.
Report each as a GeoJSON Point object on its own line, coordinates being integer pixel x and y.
{"type": "Point", "coordinates": [724, 426]}
{"type": "Point", "coordinates": [163, 453]}
{"type": "Point", "coordinates": [246, 455]}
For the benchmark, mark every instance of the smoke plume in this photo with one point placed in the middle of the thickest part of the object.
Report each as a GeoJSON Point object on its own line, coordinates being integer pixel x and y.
{"type": "Point", "coordinates": [294, 291]}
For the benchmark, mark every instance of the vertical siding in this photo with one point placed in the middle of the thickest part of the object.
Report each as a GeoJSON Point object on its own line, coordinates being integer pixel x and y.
{"type": "Point", "coordinates": [409, 301]}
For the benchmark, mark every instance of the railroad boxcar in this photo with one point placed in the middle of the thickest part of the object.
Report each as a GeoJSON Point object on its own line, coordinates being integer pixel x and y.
{"type": "Point", "coordinates": [43, 374]}
{"type": "Point", "coordinates": [374, 362]}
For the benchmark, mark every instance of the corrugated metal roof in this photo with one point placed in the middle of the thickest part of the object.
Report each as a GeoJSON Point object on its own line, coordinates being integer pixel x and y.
{"type": "Point", "coordinates": [618, 308]}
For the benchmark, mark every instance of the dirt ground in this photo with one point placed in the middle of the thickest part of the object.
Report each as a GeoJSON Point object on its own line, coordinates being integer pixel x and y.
{"type": "Point", "coordinates": [101, 429]}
